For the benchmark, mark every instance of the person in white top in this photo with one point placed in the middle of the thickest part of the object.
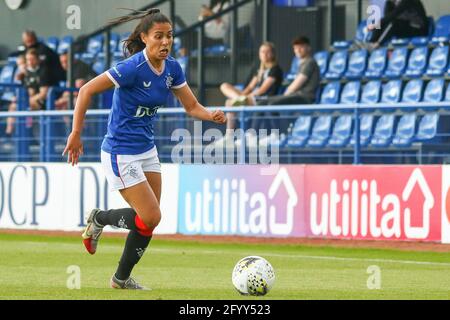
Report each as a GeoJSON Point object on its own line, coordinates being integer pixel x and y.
{"type": "Point", "coordinates": [216, 31]}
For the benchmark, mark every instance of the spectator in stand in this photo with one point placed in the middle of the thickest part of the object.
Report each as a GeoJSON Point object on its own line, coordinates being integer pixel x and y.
{"type": "Point", "coordinates": [217, 31]}
{"type": "Point", "coordinates": [49, 58]}
{"type": "Point", "coordinates": [402, 19]}
{"type": "Point", "coordinates": [38, 79]}
{"type": "Point", "coordinates": [19, 78]}
{"type": "Point", "coordinates": [82, 74]}
{"type": "Point", "coordinates": [266, 80]}
{"type": "Point", "coordinates": [303, 89]}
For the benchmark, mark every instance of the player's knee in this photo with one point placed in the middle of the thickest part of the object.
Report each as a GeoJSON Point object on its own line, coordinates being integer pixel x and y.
{"type": "Point", "coordinates": [152, 218]}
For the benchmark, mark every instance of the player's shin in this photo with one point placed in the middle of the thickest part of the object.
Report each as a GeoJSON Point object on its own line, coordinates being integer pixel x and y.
{"type": "Point", "coordinates": [135, 247]}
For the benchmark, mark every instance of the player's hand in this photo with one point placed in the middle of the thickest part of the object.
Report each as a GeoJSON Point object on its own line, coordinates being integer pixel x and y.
{"type": "Point", "coordinates": [74, 148]}
{"type": "Point", "coordinates": [219, 117]}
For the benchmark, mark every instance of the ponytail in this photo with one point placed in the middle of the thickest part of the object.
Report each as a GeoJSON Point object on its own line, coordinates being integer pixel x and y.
{"type": "Point", "coordinates": [148, 18]}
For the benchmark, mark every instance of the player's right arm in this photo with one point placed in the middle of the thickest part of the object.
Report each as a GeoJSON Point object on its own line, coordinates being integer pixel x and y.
{"type": "Point", "coordinates": [74, 147]}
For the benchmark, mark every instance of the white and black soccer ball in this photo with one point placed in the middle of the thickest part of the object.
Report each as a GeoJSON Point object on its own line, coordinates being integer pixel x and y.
{"type": "Point", "coordinates": [253, 276]}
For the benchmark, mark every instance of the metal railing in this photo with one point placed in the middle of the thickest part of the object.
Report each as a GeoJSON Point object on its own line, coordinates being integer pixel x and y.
{"type": "Point", "coordinates": [196, 27]}
{"type": "Point", "coordinates": [53, 127]}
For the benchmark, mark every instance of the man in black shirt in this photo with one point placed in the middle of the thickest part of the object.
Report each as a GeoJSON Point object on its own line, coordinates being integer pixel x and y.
{"type": "Point", "coordinates": [47, 56]}
{"type": "Point", "coordinates": [402, 19]}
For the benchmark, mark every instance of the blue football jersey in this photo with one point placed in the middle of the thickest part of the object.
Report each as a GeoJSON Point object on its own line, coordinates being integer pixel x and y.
{"type": "Point", "coordinates": [140, 92]}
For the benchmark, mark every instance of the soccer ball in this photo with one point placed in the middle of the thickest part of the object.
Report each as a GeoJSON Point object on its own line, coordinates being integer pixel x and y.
{"type": "Point", "coordinates": [253, 276]}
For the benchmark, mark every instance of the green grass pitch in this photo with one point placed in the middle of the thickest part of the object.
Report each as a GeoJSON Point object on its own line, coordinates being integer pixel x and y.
{"type": "Point", "coordinates": [35, 267]}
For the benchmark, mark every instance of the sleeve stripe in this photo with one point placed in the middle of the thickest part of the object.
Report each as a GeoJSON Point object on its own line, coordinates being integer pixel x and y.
{"type": "Point", "coordinates": [112, 79]}
{"type": "Point", "coordinates": [180, 86]}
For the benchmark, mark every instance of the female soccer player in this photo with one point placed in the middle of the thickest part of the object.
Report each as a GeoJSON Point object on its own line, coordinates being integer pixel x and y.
{"type": "Point", "coordinates": [129, 156]}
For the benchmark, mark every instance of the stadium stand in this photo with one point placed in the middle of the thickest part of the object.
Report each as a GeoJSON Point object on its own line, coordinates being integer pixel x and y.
{"type": "Point", "coordinates": [408, 71]}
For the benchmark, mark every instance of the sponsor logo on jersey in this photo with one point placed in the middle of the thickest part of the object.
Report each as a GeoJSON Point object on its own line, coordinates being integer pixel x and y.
{"type": "Point", "coordinates": [146, 111]}
{"type": "Point", "coordinates": [147, 84]}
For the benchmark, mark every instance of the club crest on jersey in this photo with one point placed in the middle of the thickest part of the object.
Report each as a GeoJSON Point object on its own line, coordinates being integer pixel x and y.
{"type": "Point", "coordinates": [169, 81]}
{"type": "Point", "coordinates": [146, 112]}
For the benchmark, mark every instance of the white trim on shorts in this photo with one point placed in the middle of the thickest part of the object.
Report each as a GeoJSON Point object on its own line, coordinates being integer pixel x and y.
{"type": "Point", "coordinates": [125, 171]}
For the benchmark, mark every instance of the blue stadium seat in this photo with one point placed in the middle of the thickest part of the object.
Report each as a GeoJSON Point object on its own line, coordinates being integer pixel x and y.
{"type": "Point", "coordinates": [295, 65]}
{"type": "Point", "coordinates": [86, 57]}
{"type": "Point", "coordinates": [400, 42]}
{"type": "Point", "coordinates": [293, 3]}
{"type": "Point", "coordinates": [322, 60]}
{"type": "Point", "coordinates": [417, 62]}
{"type": "Point", "coordinates": [331, 92]}
{"type": "Point", "coordinates": [384, 131]}
{"type": "Point", "coordinates": [442, 31]}
{"type": "Point", "coordinates": [184, 63]}
{"type": "Point", "coordinates": [397, 63]}
{"type": "Point", "coordinates": [406, 130]}
{"type": "Point", "coordinates": [371, 92]}
{"type": "Point", "coordinates": [52, 43]}
{"type": "Point", "coordinates": [217, 50]}
{"type": "Point", "coordinates": [377, 64]}
{"type": "Point", "coordinates": [64, 44]}
{"type": "Point", "coordinates": [300, 132]}
{"type": "Point", "coordinates": [117, 57]}
{"type": "Point", "coordinates": [123, 37]}
{"type": "Point", "coordinates": [447, 94]}
{"type": "Point", "coordinates": [420, 41]}
{"type": "Point", "coordinates": [342, 45]}
{"type": "Point", "coordinates": [357, 64]}
{"type": "Point", "coordinates": [351, 92]}
{"type": "Point", "coordinates": [438, 62]}
{"type": "Point", "coordinates": [392, 92]}
{"type": "Point", "coordinates": [114, 42]}
{"type": "Point", "coordinates": [337, 65]}
{"type": "Point", "coordinates": [95, 45]}
{"type": "Point", "coordinates": [9, 93]}
{"type": "Point", "coordinates": [434, 92]}
{"type": "Point", "coordinates": [362, 33]}
{"type": "Point", "coordinates": [321, 132]}
{"type": "Point", "coordinates": [7, 74]}
{"type": "Point", "coordinates": [366, 129]}
{"type": "Point", "coordinates": [99, 66]}
{"type": "Point", "coordinates": [428, 127]}
{"type": "Point", "coordinates": [412, 94]}
{"type": "Point", "coordinates": [342, 132]}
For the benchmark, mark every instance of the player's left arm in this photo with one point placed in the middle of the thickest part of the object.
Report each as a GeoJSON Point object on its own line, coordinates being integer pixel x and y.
{"type": "Point", "coordinates": [195, 109]}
